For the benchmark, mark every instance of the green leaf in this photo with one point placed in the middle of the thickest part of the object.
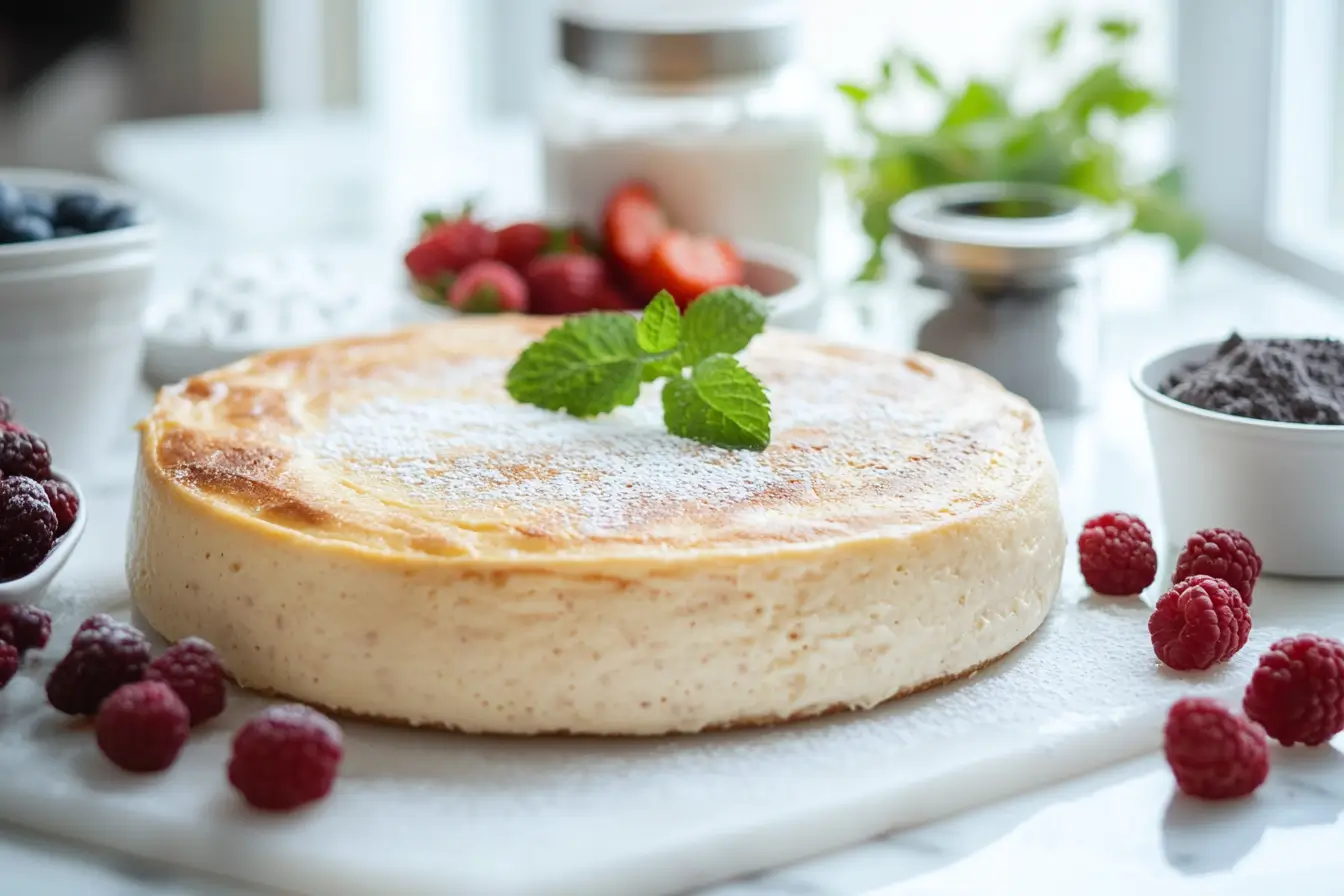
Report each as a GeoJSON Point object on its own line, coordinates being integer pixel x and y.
{"type": "Point", "coordinates": [721, 404]}
{"type": "Point", "coordinates": [1097, 171]}
{"type": "Point", "coordinates": [856, 93]}
{"type": "Point", "coordinates": [1055, 35]}
{"type": "Point", "coordinates": [1169, 182]}
{"type": "Point", "coordinates": [924, 73]}
{"type": "Point", "coordinates": [1155, 212]}
{"type": "Point", "coordinates": [659, 329]}
{"type": "Point", "coordinates": [588, 365]}
{"type": "Point", "coordinates": [722, 321]}
{"type": "Point", "coordinates": [1106, 87]}
{"type": "Point", "coordinates": [978, 102]}
{"type": "Point", "coordinates": [1118, 30]}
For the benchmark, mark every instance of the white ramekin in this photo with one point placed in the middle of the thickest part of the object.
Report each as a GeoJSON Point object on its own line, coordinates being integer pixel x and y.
{"type": "Point", "coordinates": [70, 331]}
{"type": "Point", "coordinates": [1282, 484]}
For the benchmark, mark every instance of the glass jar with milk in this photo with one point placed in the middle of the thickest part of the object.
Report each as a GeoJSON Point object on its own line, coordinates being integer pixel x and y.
{"type": "Point", "coordinates": [705, 101]}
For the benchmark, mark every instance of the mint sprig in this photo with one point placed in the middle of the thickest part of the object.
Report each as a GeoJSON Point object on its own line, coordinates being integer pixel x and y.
{"type": "Point", "coordinates": [593, 363]}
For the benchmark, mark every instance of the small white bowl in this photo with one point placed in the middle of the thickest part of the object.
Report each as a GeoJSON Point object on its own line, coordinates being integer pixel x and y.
{"type": "Point", "coordinates": [30, 588]}
{"type": "Point", "coordinates": [70, 336]}
{"type": "Point", "coordinates": [1282, 484]}
{"type": "Point", "coordinates": [787, 279]}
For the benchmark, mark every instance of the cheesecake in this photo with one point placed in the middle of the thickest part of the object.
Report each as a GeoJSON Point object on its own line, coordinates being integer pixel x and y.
{"type": "Point", "coordinates": [374, 527]}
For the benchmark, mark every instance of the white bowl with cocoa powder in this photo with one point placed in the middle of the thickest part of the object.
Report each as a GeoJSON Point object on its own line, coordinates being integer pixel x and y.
{"type": "Point", "coordinates": [1280, 483]}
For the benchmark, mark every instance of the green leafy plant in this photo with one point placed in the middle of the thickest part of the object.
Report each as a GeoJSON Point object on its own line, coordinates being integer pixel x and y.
{"type": "Point", "coordinates": [593, 363]}
{"type": "Point", "coordinates": [982, 136]}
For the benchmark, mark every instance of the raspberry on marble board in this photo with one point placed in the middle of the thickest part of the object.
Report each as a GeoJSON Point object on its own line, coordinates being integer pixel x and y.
{"type": "Point", "coordinates": [1199, 622]}
{"type": "Point", "coordinates": [1213, 753]}
{"type": "Point", "coordinates": [285, 757]}
{"type": "Point", "coordinates": [1297, 690]}
{"type": "Point", "coordinates": [1115, 552]}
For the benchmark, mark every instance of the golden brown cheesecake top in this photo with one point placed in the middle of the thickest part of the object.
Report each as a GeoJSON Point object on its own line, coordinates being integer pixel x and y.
{"type": "Point", "coordinates": [407, 443]}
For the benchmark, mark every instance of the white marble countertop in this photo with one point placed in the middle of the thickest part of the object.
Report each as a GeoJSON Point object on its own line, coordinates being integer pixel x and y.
{"type": "Point", "coordinates": [1122, 830]}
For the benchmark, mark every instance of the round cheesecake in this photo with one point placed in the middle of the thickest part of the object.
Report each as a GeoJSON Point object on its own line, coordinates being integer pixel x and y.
{"type": "Point", "coordinates": [375, 527]}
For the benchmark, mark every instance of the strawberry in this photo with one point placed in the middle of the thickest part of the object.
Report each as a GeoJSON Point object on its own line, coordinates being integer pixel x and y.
{"type": "Point", "coordinates": [519, 243]}
{"type": "Point", "coordinates": [488, 287]}
{"type": "Point", "coordinates": [567, 284]}
{"type": "Point", "coordinates": [632, 223]}
{"type": "Point", "coordinates": [448, 248]}
{"type": "Point", "coordinates": [687, 266]}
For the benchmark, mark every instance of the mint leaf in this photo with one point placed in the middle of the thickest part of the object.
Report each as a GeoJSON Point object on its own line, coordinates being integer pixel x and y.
{"type": "Point", "coordinates": [588, 365]}
{"type": "Point", "coordinates": [722, 321]}
{"type": "Point", "coordinates": [660, 328]}
{"type": "Point", "coordinates": [721, 403]}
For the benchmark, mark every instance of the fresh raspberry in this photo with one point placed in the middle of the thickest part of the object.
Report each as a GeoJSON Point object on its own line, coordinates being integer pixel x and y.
{"type": "Point", "coordinates": [27, 526]}
{"type": "Point", "coordinates": [1224, 554]}
{"type": "Point", "coordinates": [64, 502]}
{"type": "Point", "coordinates": [104, 655]}
{"type": "Point", "coordinates": [1116, 553]}
{"type": "Point", "coordinates": [1214, 754]}
{"type": "Point", "coordinates": [284, 757]}
{"type": "Point", "coordinates": [191, 667]}
{"type": "Point", "coordinates": [1297, 691]}
{"type": "Point", "coordinates": [23, 453]}
{"type": "Point", "coordinates": [9, 662]}
{"type": "Point", "coordinates": [488, 287]}
{"type": "Point", "coordinates": [142, 726]}
{"type": "Point", "coordinates": [24, 626]}
{"type": "Point", "coordinates": [1199, 622]}
{"type": "Point", "coordinates": [6, 410]}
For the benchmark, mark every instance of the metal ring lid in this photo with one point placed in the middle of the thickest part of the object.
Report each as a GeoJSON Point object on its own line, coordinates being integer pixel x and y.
{"type": "Point", "coordinates": [1002, 235]}
{"type": "Point", "coordinates": [671, 48]}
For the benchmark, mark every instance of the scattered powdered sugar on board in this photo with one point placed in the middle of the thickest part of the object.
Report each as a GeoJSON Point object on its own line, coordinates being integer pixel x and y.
{"type": "Point", "coordinates": [477, 450]}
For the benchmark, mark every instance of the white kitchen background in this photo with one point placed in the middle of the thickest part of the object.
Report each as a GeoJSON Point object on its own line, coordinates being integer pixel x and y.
{"type": "Point", "coordinates": [1260, 88]}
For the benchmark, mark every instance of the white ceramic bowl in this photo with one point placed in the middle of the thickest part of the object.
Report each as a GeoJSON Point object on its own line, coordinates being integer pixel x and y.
{"type": "Point", "coordinates": [70, 336]}
{"type": "Point", "coordinates": [30, 588]}
{"type": "Point", "coordinates": [785, 277]}
{"type": "Point", "coordinates": [1282, 484]}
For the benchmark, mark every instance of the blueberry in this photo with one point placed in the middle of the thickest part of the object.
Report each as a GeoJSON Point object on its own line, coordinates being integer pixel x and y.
{"type": "Point", "coordinates": [80, 210]}
{"type": "Point", "coordinates": [39, 204]}
{"type": "Point", "coordinates": [11, 202]}
{"type": "Point", "coordinates": [116, 216]}
{"type": "Point", "coordinates": [25, 229]}
{"type": "Point", "coordinates": [66, 230]}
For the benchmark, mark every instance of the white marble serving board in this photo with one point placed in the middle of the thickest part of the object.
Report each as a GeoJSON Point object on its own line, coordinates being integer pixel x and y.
{"type": "Point", "coordinates": [428, 812]}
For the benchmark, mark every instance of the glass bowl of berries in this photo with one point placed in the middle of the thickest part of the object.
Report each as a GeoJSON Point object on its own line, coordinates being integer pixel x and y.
{"type": "Point", "coordinates": [41, 513]}
{"type": "Point", "coordinates": [77, 258]}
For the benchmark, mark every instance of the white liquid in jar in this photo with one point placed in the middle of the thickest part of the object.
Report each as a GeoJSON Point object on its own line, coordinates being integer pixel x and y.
{"type": "Point", "coordinates": [764, 184]}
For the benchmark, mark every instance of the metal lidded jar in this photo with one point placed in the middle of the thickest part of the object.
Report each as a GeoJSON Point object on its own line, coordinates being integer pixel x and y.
{"type": "Point", "coordinates": [706, 101]}
{"type": "Point", "coordinates": [1012, 275]}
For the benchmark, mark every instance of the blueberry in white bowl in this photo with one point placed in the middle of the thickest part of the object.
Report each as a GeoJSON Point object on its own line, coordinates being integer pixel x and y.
{"type": "Point", "coordinates": [32, 215]}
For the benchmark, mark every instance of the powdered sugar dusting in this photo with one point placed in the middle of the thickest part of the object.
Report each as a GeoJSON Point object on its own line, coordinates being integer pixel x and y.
{"type": "Point", "coordinates": [486, 456]}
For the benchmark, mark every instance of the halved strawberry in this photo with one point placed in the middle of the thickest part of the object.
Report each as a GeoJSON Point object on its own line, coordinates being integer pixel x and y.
{"type": "Point", "coordinates": [632, 223]}
{"type": "Point", "coordinates": [687, 266]}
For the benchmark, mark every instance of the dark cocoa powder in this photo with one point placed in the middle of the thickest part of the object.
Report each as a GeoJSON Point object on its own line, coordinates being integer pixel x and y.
{"type": "Point", "coordinates": [1284, 380]}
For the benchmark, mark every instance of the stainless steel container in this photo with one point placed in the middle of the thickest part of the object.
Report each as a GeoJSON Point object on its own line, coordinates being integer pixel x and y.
{"type": "Point", "coordinates": [1010, 277]}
